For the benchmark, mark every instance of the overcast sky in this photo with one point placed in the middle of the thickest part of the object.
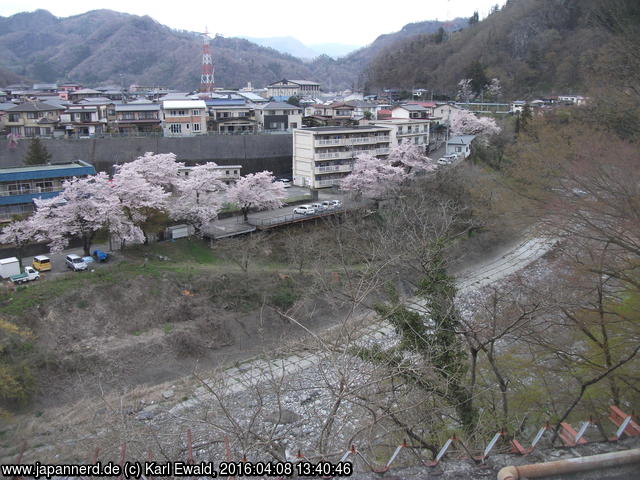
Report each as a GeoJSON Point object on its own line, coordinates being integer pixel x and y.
{"type": "Point", "coordinates": [353, 22]}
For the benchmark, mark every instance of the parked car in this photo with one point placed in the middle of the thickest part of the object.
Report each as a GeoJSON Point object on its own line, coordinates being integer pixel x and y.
{"type": "Point", "coordinates": [336, 203]}
{"type": "Point", "coordinates": [75, 263]}
{"type": "Point", "coordinates": [29, 274]}
{"type": "Point", "coordinates": [327, 205]}
{"type": "Point", "coordinates": [100, 256]}
{"type": "Point", "coordinates": [443, 161]}
{"type": "Point", "coordinates": [304, 210]}
{"type": "Point", "coordinates": [286, 181]}
{"type": "Point", "coordinates": [319, 207]}
{"type": "Point", "coordinates": [88, 260]}
{"type": "Point", "coordinates": [41, 263]}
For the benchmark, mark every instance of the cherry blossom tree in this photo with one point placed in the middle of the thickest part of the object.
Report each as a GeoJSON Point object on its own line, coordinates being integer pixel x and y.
{"type": "Point", "coordinates": [135, 200]}
{"type": "Point", "coordinates": [257, 190]}
{"type": "Point", "coordinates": [464, 122]}
{"type": "Point", "coordinates": [160, 169]}
{"type": "Point", "coordinates": [18, 233]}
{"type": "Point", "coordinates": [372, 177]}
{"type": "Point", "coordinates": [493, 88]}
{"type": "Point", "coordinates": [199, 196]}
{"type": "Point", "coordinates": [84, 207]}
{"type": "Point", "coordinates": [410, 156]}
{"type": "Point", "coordinates": [465, 90]}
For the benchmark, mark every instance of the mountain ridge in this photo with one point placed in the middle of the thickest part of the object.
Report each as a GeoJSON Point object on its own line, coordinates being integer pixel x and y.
{"type": "Point", "coordinates": [109, 47]}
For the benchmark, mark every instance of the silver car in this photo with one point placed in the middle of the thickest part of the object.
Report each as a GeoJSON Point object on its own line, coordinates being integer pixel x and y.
{"type": "Point", "coordinates": [304, 210]}
{"type": "Point", "coordinates": [75, 263]}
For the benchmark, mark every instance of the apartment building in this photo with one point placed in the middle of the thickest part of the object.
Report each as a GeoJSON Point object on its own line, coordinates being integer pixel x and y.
{"type": "Point", "coordinates": [20, 186]}
{"type": "Point", "coordinates": [322, 156]}
{"type": "Point", "coordinates": [184, 118]}
{"type": "Point", "coordinates": [416, 131]}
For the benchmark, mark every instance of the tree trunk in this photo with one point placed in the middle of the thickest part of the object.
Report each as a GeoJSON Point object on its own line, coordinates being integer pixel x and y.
{"type": "Point", "coordinates": [86, 244]}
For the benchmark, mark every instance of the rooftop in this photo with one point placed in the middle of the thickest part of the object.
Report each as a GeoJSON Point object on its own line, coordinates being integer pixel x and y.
{"type": "Point", "coordinates": [278, 105]}
{"type": "Point", "coordinates": [48, 168]}
{"type": "Point", "coordinates": [138, 107]}
{"type": "Point", "coordinates": [36, 107]}
{"type": "Point", "coordinates": [183, 104]}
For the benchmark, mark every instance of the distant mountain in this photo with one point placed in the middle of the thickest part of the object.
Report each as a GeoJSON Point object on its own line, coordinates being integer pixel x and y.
{"type": "Point", "coordinates": [334, 50]}
{"type": "Point", "coordinates": [107, 47]}
{"type": "Point", "coordinates": [295, 47]}
{"type": "Point", "coordinates": [289, 45]}
{"type": "Point", "coordinates": [354, 67]}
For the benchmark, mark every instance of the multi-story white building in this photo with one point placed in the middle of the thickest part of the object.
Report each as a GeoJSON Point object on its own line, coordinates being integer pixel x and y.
{"type": "Point", "coordinates": [293, 88]}
{"type": "Point", "coordinates": [184, 118]}
{"type": "Point", "coordinates": [406, 129]}
{"type": "Point", "coordinates": [322, 156]}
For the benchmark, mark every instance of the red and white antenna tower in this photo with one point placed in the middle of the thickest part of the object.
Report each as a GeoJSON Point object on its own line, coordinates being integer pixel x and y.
{"type": "Point", "coordinates": [206, 78]}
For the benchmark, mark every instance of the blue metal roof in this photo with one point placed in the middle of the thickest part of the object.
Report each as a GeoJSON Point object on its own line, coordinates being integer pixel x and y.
{"type": "Point", "coordinates": [48, 171]}
{"type": "Point", "coordinates": [26, 198]}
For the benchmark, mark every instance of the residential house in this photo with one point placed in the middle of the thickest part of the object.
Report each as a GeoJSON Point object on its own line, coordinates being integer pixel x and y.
{"type": "Point", "coordinates": [323, 156]}
{"type": "Point", "coordinates": [429, 106]}
{"type": "Point", "coordinates": [230, 115]}
{"type": "Point", "coordinates": [183, 118]}
{"type": "Point", "coordinates": [45, 88]}
{"type": "Point", "coordinates": [442, 112]}
{"type": "Point", "coordinates": [517, 106]}
{"type": "Point", "coordinates": [76, 95]}
{"type": "Point", "coordinates": [574, 99]}
{"type": "Point", "coordinates": [278, 116]}
{"type": "Point", "coordinates": [410, 111]}
{"type": "Point", "coordinates": [137, 118]}
{"type": "Point", "coordinates": [460, 145]}
{"type": "Point", "coordinates": [87, 118]}
{"type": "Point", "coordinates": [407, 130]}
{"type": "Point", "coordinates": [32, 119]}
{"type": "Point", "coordinates": [20, 186]}
{"type": "Point", "coordinates": [293, 88]}
{"type": "Point", "coordinates": [362, 109]}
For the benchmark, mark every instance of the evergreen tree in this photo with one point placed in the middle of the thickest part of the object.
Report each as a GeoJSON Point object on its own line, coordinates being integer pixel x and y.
{"type": "Point", "coordinates": [475, 72]}
{"type": "Point", "coordinates": [474, 18]}
{"type": "Point", "coordinates": [37, 153]}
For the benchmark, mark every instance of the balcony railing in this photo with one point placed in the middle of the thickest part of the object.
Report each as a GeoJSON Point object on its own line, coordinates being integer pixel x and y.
{"type": "Point", "coordinates": [328, 183]}
{"type": "Point", "coordinates": [347, 167]}
{"type": "Point", "coordinates": [329, 141]}
{"type": "Point", "coordinates": [334, 155]}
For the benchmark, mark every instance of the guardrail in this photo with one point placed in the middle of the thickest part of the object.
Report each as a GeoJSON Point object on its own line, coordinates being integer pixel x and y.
{"type": "Point", "coordinates": [292, 218]}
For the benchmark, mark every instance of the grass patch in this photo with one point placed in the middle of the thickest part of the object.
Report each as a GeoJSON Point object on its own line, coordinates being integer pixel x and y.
{"type": "Point", "coordinates": [167, 329]}
{"type": "Point", "coordinates": [192, 250]}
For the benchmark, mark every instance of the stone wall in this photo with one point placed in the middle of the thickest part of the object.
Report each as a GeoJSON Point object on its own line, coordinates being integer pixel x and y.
{"type": "Point", "coordinates": [254, 152]}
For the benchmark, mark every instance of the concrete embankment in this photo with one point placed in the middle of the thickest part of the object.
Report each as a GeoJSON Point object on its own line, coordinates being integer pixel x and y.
{"type": "Point", "coordinates": [254, 152]}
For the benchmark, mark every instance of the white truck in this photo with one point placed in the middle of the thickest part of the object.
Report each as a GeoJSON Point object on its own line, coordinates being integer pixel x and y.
{"type": "Point", "coordinates": [29, 274]}
{"type": "Point", "coordinates": [9, 266]}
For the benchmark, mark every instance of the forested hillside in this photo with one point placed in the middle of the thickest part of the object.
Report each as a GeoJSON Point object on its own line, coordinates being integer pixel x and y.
{"type": "Point", "coordinates": [107, 47]}
{"type": "Point", "coordinates": [532, 46]}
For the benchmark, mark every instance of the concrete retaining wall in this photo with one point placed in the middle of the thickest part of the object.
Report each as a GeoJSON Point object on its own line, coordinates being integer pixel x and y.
{"type": "Point", "coordinates": [254, 152]}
